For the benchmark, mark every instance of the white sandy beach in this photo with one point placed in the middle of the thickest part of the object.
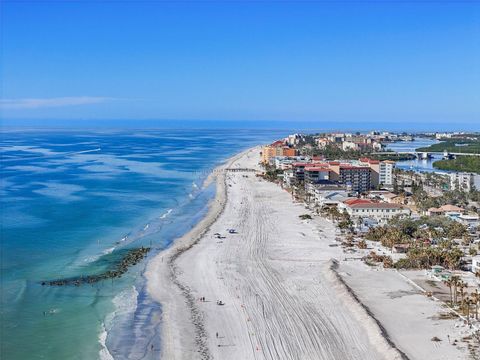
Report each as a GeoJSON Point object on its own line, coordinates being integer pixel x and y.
{"type": "Point", "coordinates": [282, 299]}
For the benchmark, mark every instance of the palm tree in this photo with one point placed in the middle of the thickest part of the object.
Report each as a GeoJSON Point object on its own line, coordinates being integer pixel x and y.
{"type": "Point", "coordinates": [455, 279]}
{"type": "Point", "coordinates": [449, 283]}
{"type": "Point", "coordinates": [467, 303]}
{"type": "Point", "coordinates": [475, 299]}
{"type": "Point", "coordinates": [462, 287]}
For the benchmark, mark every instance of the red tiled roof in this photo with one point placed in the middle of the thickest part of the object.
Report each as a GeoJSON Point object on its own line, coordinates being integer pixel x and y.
{"type": "Point", "coordinates": [370, 161]}
{"type": "Point", "coordinates": [450, 208]}
{"type": "Point", "coordinates": [278, 143]}
{"type": "Point", "coordinates": [300, 164]}
{"type": "Point", "coordinates": [317, 168]}
{"type": "Point", "coordinates": [353, 167]}
{"type": "Point", "coordinates": [446, 208]}
{"type": "Point", "coordinates": [357, 201]}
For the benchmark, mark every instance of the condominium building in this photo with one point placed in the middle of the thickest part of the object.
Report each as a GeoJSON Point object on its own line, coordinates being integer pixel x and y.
{"type": "Point", "coordinates": [381, 171]}
{"type": "Point", "coordinates": [461, 181]}
{"type": "Point", "coordinates": [386, 172]}
{"type": "Point", "coordinates": [316, 173]}
{"type": "Point", "coordinates": [356, 176]}
{"type": "Point", "coordinates": [277, 148]}
{"type": "Point", "coordinates": [381, 212]}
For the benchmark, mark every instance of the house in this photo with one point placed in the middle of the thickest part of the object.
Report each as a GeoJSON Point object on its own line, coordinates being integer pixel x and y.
{"type": "Point", "coordinates": [391, 198]}
{"type": "Point", "coordinates": [384, 195]}
{"type": "Point", "coordinates": [443, 210]}
{"type": "Point", "coordinates": [327, 193]}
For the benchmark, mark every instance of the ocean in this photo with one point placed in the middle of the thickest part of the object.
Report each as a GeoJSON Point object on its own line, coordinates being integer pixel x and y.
{"type": "Point", "coordinates": [72, 201]}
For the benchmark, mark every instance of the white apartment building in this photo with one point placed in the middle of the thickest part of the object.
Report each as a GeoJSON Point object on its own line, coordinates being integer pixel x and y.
{"type": "Point", "coordinates": [289, 178]}
{"type": "Point", "coordinates": [294, 139]}
{"type": "Point", "coordinates": [349, 145]}
{"type": "Point", "coordinates": [461, 181]}
{"type": "Point", "coordinates": [381, 212]}
{"type": "Point", "coordinates": [285, 162]}
{"type": "Point", "coordinates": [386, 172]}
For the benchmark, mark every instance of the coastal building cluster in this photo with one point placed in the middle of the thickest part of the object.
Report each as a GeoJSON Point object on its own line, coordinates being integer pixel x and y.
{"type": "Point", "coordinates": [373, 141]}
{"type": "Point", "coordinates": [370, 191]}
{"type": "Point", "coordinates": [392, 217]}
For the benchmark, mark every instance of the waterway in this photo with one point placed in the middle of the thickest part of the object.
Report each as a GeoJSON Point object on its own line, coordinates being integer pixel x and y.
{"type": "Point", "coordinates": [421, 165]}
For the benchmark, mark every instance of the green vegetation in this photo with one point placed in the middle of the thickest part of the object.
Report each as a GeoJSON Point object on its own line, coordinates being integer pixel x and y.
{"type": "Point", "coordinates": [455, 197]}
{"type": "Point", "coordinates": [417, 234]}
{"type": "Point", "coordinates": [390, 155]}
{"type": "Point", "coordinates": [420, 256]}
{"type": "Point", "coordinates": [333, 152]}
{"type": "Point", "coordinates": [455, 146]}
{"type": "Point", "coordinates": [271, 174]}
{"type": "Point", "coordinates": [305, 217]}
{"type": "Point", "coordinates": [461, 163]}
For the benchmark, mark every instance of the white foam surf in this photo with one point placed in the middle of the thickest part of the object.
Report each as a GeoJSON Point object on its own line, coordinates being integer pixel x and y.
{"type": "Point", "coordinates": [166, 214]}
{"type": "Point", "coordinates": [104, 354]}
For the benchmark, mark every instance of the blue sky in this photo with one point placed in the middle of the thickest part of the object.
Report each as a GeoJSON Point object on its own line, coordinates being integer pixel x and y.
{"type": "Point", "coordinates": [382, 61]}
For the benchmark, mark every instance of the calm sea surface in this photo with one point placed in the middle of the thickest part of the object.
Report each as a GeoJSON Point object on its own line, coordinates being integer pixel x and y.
{"type": "Point", "coordinates": [70, 201]}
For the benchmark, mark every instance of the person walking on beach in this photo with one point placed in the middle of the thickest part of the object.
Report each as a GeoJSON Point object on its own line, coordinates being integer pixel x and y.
{"type": "Point", "coordinates": [216, 334]}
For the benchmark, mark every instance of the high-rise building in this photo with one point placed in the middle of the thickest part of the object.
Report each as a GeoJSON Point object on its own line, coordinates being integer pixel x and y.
{"type": "Point", "coordinates": [356, 176]}
{"type": "Point", "coordinates": [386, 172]}
{"type": "Point", "coordinates": [461, 181]}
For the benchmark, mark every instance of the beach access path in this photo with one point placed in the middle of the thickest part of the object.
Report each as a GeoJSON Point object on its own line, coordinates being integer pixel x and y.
{"type": "Point", "coordinates": [281, 298]}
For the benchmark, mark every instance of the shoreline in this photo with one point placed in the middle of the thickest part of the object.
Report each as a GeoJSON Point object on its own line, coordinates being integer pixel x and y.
{"type": "Point", "coordinates": [183, 323]}
{"type": "Point", "coordinates": [159, 271]}
{"type": "Point", "coordinates": [286, 294]}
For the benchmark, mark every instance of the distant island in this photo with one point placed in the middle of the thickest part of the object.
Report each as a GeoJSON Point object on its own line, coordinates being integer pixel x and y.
{"type": "Point", "coordinates": [461, 163]}
{"type": "Point", "coordinates": [468, 145]}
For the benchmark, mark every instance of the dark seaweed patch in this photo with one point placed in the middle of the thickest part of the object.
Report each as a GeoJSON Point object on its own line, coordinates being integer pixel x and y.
{"type": "Point", "coordinates": [117, 263]}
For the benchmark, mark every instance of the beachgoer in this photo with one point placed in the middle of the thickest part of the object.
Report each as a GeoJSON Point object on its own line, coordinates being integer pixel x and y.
{"type": "Point", "coordinates": [216, 335]}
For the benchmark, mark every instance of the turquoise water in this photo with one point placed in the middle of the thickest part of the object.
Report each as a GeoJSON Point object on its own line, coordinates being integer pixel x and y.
{"type": "Point", "coordinates": [70, 201]}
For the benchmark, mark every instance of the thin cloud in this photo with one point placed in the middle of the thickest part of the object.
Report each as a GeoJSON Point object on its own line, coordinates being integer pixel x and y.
{"type": "Point", "coordinates": [32, 103]}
